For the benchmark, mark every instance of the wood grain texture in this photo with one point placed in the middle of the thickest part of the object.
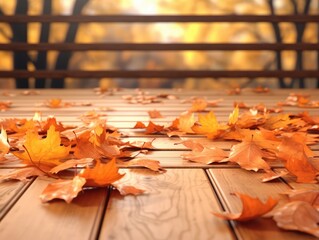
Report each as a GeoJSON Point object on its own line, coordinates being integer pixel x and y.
{"type": "Point", "coordinates": [10, 191]}
{"type": "Point", "coordinates": [228, 181]}
{"type": "Point", "coordinates": [30, 219]}
{"type": "Point", "coordinates": [177, 206]}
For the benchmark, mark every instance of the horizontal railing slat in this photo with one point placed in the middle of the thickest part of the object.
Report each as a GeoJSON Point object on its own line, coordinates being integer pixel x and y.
{"type": "Point", "coordinates": [156, 46]}
{"type": "Point", "coordinates": [301, 18]}
{"type": "Point", "coordinates": [158, 74]}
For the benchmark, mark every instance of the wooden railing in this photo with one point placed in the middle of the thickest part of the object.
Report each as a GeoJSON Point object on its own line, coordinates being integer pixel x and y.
{"type": "Point", "coordinates": [299, 74]}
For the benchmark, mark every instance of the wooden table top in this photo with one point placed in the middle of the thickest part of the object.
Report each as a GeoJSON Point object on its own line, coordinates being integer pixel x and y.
{"type": "Point", "coordinates": [178, 204]}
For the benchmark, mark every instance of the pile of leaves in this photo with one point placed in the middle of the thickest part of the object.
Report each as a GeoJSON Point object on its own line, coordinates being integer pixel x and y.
{"type": "Point", "coordinates": [262, 138]}
{"type": "Point", "coordinates": [80, 158]}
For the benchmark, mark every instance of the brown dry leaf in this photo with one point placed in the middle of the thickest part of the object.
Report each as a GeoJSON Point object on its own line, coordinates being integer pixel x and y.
{"type": "Point", "coordinates": [252, 208]}
{"type": "Point", "coordinates": [154, 114]}
{"type": "Point", "coordinates": [271, 175]}
{"type": "Point", "coordinates": [128, 190]}
{"type": "Point", "coordinates": [4, 145]}
{"type": "Point", "coordinates": [63, 189]}
{"type": "Point", "coordinates": [296, 161]}
{"type": "Point", "coordinates": [22, 174]}
{"type": "Point", "coordinates": [84, 148]}
{"type": "Point", "coordinates": [5, 105]}
{"type": "Point", "coordinates": [307, 195]}
{"type": "Point", "coordinates": [47, 151]}
{"type": "Point", "coordinates": [153, 165]}
{"type": "Point", "coordinates": [248, 155]}
{"type": "Point", "coordinates": [101, 175]}
{"type": "Point", "coordinates": [299, 216]}
{"type": "Point", "coordinates": [206, 156]}
{"type": "Point", "coordinates": [71, 163]}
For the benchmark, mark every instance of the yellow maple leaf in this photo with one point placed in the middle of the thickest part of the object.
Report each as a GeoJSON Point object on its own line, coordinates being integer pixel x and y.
{"type": "Point", "coordinates": [186, 122]}
{"type": "Point", "coordinates": [4, 145]}
{"type": "Point", "coordinates": [45, 151]}
{"type": "Point", "coordinates": [233, 117]}
{"type": "Point", "coordinates": [208, 125]}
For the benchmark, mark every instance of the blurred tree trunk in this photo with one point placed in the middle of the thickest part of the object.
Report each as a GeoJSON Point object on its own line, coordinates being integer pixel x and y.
{"type": "Point", "coordinates": [19, 34]}
{"type": "Point", "coordinates": [41, 61]}
{"type": "Point", "coordinates": [63, 58]}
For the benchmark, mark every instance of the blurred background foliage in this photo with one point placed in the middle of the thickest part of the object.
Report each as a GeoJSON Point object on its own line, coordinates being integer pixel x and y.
{"type": "Point", "coordinates": [165, 33]}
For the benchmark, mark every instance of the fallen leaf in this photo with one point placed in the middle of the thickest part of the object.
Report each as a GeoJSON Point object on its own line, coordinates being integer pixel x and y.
{"type": "Point", "coordinates": [139, 124]}
{"type": "Point", "coordinates": [5, 105]}
{"type": "Point", "coordinates": [128, 190]}
{"type": "Point", "coordinates": [208, 125]}
{"type": "Point", "coordinates": [252, 208]}
{"type": "Point", "coordinates": [71, 163]}
{"type": "Point", "coordinates": [22, 174]}
{"type": "Point", "coordinates": [185, 122]}
{"type": "Point", "coordinates": [248, 155]}
{"type": "Point", "coordinates": [307, 195]}
{"type": "Point", "coordinates": [153, 165]}
{"type": "Point", "coordinates": [298, 216]}
{"type": "Point", "coordinates": [152, 128]}
{"type": "Point", "coordinates": [47, 151]}
{"type": "Point", "coordinates": [296, 160]}
{"type": "Point", "coordinates": [154, 114]}
{"type": "Point", "coordinates": [198, 105]}
{"type": "Point", "coordinates": [101, 175]}
{"type": "Point", "coordinates": [4, 145]}
{"type": "Point", "coordinates": [206, 156]}
{"type": "Point", "coordinates": [63, 189]}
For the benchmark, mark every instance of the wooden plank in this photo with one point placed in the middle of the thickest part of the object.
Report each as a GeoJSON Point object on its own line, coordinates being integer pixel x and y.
{"type": "Point", "coordinates": [177, 206]}
{"type": "Point", "coordinates": [10, 191]}
{"type": "Point", "coordinates": [30, 219]}
{"type": "Point", "coordinates": [169, 74]}
{"type": "Point", "coordinates": [228, 181]}
{"type": "Point", "coordinates": [157, 46]}
{"type": "Point", "coordinates": [295, 18]}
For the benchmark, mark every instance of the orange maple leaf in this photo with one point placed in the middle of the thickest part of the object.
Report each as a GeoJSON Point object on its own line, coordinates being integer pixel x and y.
{"type": "Point", "coordinates": [45, 151]}
{"type": "Point", "coordinates": [63, 189]}
{"type": "Point", "coordinates": [206, 156]}
{"type": "Point", "coordinates": [252, 208]}
{"type": "Point", "coordinates": [153, 128]}
{"type": "Point", "coordinates": [101, 175]}
{"type": "Point", "coordinates": [296, 160]}
{"type": "Point", "coordinates": [248, 155]}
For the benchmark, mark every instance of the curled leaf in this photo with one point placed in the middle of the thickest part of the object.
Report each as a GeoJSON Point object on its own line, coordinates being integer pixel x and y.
{"type": "Point", "coordinates": [63, 189]}
{"type": "Point", "coordinates": [252, 208]}
{"type": "Point", "coordinates": [299, 216]}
